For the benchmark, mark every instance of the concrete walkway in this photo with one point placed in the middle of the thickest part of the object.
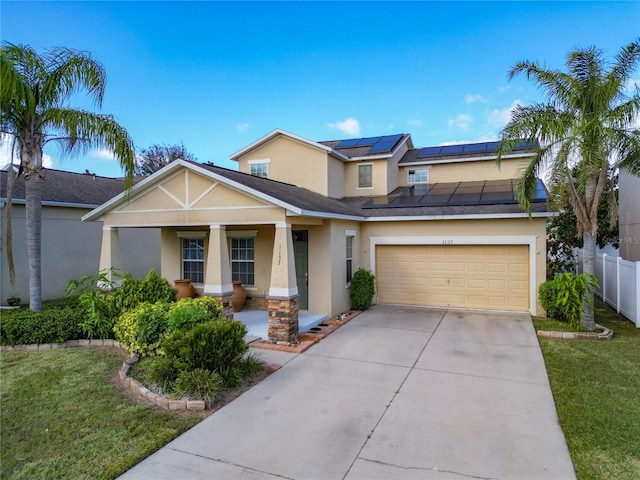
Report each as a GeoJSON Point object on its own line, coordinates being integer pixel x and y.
{"type": "Point", "coordinates": [397, 393]}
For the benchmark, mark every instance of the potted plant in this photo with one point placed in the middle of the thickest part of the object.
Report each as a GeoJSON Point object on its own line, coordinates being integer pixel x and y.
{"type": "Point", "coordinates": [14, 301]}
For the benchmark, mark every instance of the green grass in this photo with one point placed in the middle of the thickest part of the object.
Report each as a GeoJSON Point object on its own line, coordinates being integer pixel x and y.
{"type": "Point", "coordinates": [63, 417]}
{"type": "Point", "coordinates": [596, 386]}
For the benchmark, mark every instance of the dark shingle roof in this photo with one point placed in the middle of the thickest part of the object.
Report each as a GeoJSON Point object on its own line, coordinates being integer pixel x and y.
{"type": "Point", "coordinates": [68, 187]}
{"type": "Point", "coordinates": [311, 201]}
{"type": "Point", "coordinates": [285, 192]}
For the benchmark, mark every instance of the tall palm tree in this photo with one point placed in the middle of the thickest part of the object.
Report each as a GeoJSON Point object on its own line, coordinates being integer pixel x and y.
{"type": "Point", "coordinates": [586, 129]}
{"type": "Point", "coordinates": [35, 90]}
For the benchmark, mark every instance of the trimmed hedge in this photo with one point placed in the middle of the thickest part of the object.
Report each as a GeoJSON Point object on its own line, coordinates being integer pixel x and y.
{"type": "Point", "coordinates": [59, 321]}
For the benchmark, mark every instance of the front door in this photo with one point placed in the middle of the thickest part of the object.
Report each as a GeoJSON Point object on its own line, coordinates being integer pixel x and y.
{"type": "Point", "coordinates": [301, 254]}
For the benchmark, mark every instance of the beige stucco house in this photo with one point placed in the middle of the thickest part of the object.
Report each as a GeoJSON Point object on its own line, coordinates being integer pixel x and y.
{"type": "Point", "coordinates": [70, 247]}
{"type": "Point", "coordinates": [437, 226]}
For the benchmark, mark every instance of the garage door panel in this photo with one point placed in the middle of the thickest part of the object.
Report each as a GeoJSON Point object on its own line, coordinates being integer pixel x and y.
{"type": "Point", "coordinates": [474, 276]}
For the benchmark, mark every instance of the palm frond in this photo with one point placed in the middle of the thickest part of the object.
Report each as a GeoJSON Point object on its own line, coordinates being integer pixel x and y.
{"type": "Point", "coordinates": [70, 71]}
{"type": "Point", "coordinates": [86, 130]}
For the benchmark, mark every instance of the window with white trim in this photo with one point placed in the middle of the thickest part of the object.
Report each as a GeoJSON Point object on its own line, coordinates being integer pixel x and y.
{"type": "Point", "coordinates": [349, 257]}
{"type": "Point", "coordinates": [259, 168]}
{"type": "Point", "coordinates": [418, 175]}
{"type": "Point", "coordinates": [365, 176]}
{"type": "Point", "coordinates": [193, 259]}
{"type": "Point", "coordinates": [242, 260]}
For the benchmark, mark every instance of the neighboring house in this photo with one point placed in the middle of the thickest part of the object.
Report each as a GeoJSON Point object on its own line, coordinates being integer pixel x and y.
{"type": "Point", "coordinates": [438, 226]}
{"type": "Point", "coordinates": [629, 215]}
{"type": "Point", "coordinates": [70, 247]}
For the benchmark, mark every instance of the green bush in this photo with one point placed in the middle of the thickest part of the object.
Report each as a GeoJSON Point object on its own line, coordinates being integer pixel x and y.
{"type": "Point", "coordinates": [163, 372]}
{"type": "Point", "coordinates": [188, 312]}
{"type": "Point", "coordinates": [98, 321]}
{"type": "Point", "coordinates": [563, 296]}
{"type": "Point", "coordinates": [217, 346]}
{"type": "Point", "coordinates": [132, 292]}
{"type": "Point", "coordinates": [199, 384]}
{"type": "Point", "coordinates": [59, 321]}
{"type": "Point", "coordinates": [141, 329]}
{"type": "Point", "coordinates": [362, 289]}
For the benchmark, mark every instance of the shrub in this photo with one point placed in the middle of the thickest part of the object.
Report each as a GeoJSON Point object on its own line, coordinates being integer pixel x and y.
{"type": "Point", "coordinates": [188, 312]}
{"type": "Point", "coordinates": [98, 321]}
{"type": "Point", "coordinates": [563, 296]}
{"type": "Point", "coordinates": [163, 372]}
{"type": "Point", "coordinates": [362, 289]}
{"type": "Point", "coordinates": [199, 384]}
{"type": "Point", "coordinates": [132, 292]}
{"type": "Point", "coordinates": [59, 321]}
{"type": "Point", "coordinates": [217, 346]}
{"type": "Point", "coordinates": [141, 329]}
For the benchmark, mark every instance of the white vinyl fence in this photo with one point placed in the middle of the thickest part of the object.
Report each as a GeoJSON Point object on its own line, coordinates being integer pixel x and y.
{"type": "Point", "coordinates": [619, 282]}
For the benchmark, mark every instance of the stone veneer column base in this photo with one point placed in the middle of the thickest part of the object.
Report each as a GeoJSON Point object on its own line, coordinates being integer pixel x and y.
{"type": "Point", "coordinates": [283, 320]}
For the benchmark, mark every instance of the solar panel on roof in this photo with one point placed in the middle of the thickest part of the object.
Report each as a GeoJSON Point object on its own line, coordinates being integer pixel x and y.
{"type": "Point", "coordinates": [492, 146]}
{"type": "Point", "coordinates": [368, 141]}
{"type": "Point", "coordinates": [524, 145]}
{"type": "Point", "coordinates": [452, 149]}
{"type": "Point", "coordinates": [352, 142]}
{"type": "Point", "coordinates": [475, 148]}
{"type": "Point", "coordinates": [381, 147]}
{"type": "Point", "coordinates": [391, 138]}
{"type": "Point", "coordinates": [429, 152]}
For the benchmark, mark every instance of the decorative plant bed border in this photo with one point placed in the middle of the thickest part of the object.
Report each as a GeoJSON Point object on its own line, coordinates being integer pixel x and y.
{"type": "Point", "coordinates": [307, 339]}
{"type": "Point", "coordinates": [131, 384]}
{"type": "Point", "coordinates": [605, 334]}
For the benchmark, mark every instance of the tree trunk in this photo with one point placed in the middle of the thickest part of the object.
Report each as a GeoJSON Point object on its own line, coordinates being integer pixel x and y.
{"type": "Point", "coordinates": [33, 191]}
{"type": "Point", "coordinates": [589, 266]}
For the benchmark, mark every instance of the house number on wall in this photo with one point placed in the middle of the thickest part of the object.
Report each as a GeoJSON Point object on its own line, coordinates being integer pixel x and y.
{"type": "Point", "coordinates": [447, 242]}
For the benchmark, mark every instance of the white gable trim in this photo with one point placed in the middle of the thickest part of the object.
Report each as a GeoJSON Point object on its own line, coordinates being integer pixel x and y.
{"type": "Point", "coordinates": [277, 132]}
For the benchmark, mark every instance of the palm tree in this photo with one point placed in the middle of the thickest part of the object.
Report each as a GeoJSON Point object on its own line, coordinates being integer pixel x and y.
{"type": "Point", "coordinates": [586, 129]}
{"type": "Point", "coordinates": [34, 109]}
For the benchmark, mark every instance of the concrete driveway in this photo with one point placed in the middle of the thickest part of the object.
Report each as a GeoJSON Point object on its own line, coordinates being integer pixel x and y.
{"type": "Point", "coordinates": [397, 393]}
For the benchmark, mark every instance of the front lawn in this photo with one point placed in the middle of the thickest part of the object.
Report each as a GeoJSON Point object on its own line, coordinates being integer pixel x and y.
{"type": "Point", "coordinates": [596, 386]}
{"type": "Point", "coordinates": [63, 416]}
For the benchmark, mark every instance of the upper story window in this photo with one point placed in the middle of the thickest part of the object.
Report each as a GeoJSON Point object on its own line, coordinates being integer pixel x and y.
{"type": "Point", "coordinates": [365, 176]}
{"type": "Point", "coordinates": [259, 168]}
{"type": "Point", "coordinates": [418, 175]}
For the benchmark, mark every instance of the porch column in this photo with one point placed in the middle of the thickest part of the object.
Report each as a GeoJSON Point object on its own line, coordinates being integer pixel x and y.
{"type": "Point", "coordinates": [110, 255]}
{"type": "Point", "coordinates": [283, 291]}
{"type": "Point", "coordinates": [217, 278]}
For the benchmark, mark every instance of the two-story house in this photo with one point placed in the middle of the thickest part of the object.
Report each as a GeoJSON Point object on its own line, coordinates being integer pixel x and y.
{"type": "Point", "coordinates": [438, 226]}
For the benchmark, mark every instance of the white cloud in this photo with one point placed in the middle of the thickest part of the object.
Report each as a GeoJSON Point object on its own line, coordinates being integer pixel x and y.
{"type": "Point", "coordinates": [415, 123]}
{"type": "Point", "coordinates": [103, 154]}
{"type": "Point", "coordinates": [242, 127]}
{"type": "Point", "coordinates": [504, 88]}
{"type": "Point", "coordinates": [348, 126]}
{"type": "Point", "coordinates": [47, 161]}
{"type": "Point", "coordinates": [498, 118]}
{"type": "Point", "coordinates": [462, 121]}
{"type": "Point", "coordinates": [474, 98]}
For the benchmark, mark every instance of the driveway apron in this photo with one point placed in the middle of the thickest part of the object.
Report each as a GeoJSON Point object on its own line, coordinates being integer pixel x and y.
{"type": "Point", "coordinates": [398, 392]}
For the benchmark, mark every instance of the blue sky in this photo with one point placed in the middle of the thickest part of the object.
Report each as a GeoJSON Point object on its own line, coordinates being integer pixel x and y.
{"type": "Point", "coordinates": [217, 76]}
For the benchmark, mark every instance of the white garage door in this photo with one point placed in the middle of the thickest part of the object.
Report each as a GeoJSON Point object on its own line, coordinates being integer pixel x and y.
{"type": "Point", "coordinates": [471, 276]}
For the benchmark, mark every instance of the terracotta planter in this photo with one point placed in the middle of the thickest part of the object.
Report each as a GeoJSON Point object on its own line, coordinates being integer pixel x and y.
{"type": "Point", "coordinates": [185, 289]}
{"type": "Point", "coordinates": [239, 296]}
